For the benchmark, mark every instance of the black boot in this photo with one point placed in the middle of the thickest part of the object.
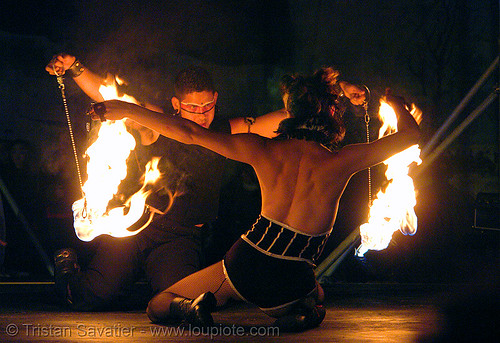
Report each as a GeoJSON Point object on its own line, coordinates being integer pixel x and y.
{"type": "Point", "coordinates": [305, 315]}
{"type": "Point", "coordinates": [195, 312]}
{"type": "Point", "coordinates": [65, 267]}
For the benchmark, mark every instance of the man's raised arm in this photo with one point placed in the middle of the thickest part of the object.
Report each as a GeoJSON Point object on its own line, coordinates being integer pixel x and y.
{"type": "Point", "coordinates": [64, 64]}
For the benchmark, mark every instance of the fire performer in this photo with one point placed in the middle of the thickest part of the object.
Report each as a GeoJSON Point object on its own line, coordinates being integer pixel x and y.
{"type": "Point", "coordinates": [169, 248]}
{"type": "Point", "coordinates": [301, 178]}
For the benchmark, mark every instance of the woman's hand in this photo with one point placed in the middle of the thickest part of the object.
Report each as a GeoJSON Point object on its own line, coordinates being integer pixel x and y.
{"type": "Point", "coordinates": [394, 100]}
{"type": "Point", "coordinates": [111, 109]}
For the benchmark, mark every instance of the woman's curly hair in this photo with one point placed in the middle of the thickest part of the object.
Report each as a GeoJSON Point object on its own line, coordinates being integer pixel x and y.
{"type": "Point", "coordinates": [315, 108]}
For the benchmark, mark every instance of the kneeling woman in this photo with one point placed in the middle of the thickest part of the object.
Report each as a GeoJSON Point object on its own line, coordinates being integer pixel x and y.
{"type": "Point", "coordinates": [302, 177]}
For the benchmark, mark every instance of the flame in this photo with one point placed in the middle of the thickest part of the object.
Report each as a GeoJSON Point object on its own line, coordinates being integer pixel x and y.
{"type": "Point", "coordinates": [106, 168]}
{"type": "Point", "coordinates": [392, 208]}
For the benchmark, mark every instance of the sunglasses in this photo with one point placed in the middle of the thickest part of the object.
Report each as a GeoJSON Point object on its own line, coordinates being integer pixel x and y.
{"type": "Point", "coordinates": [197, 108]}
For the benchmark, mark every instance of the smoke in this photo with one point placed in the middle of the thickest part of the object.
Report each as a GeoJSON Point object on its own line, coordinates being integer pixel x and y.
{"type": "Point", "coordinates": [147, 43]}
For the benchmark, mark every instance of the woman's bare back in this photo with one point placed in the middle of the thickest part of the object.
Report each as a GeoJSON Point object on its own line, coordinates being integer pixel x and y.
{"type": "Point", "coordinates": [301, 184]}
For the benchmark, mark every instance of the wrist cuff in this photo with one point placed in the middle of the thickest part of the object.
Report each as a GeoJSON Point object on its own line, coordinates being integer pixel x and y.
{"type": "Point", "coordinates": [76, 69]}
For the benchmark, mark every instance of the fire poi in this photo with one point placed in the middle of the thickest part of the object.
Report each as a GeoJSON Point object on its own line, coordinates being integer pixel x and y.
{"type": "Point", "coordinates": [106, 168]}
{"type": "Point", "coordinates": [392, 208]}
{"type": "Point", "coordinates": [390, 211]}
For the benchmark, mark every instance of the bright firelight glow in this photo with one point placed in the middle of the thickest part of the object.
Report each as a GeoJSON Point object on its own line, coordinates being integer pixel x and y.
{"type": "Point", "coordinates": [106, 168]}
{"type": "Point", "coordinates": [392, 208]}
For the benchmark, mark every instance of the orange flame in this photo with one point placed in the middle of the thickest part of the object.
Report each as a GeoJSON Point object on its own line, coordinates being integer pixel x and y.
{"type": "Point", "coordinates": [392, 208]}
{"type": "Point", "coordinates": [106, 168]}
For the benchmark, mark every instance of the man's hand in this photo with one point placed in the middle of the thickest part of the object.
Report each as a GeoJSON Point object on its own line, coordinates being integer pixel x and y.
{"type": "Point", "coordinates": [59, 64]}
{"type": "Point", "coordinates": [356, 94]}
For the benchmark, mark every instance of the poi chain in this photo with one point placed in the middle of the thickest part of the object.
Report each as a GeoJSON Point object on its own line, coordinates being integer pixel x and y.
{"type": "Point", "coordinates": [367, 122]}
{"type": "Point", "coordinates": [60, 81]}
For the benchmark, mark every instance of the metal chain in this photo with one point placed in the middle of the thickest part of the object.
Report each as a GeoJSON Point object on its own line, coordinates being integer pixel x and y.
{"type": "Point", "coordinates": [60, 80]}
{"type": "Point", "coordinates": [367, 122]}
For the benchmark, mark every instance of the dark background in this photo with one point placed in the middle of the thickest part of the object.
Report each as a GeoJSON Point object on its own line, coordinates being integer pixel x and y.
{"type": "Point", "coordinates": [431, 52]}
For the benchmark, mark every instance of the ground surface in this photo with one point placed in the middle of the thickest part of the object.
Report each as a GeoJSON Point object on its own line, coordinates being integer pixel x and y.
{"type": "Point", "coordinates": [355, 313]}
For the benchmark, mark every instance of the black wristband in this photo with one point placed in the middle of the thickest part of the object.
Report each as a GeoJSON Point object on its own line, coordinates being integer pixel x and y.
{"type": "Point", "coordinates": [76, 69]}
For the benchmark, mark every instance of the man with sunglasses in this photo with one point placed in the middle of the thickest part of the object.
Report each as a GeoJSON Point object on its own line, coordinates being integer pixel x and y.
{"type": "Point", "coordinates": [170, 248]}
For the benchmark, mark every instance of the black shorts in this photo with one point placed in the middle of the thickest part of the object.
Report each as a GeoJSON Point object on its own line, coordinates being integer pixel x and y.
{"type": "Point", "coordinates": [266, 281]}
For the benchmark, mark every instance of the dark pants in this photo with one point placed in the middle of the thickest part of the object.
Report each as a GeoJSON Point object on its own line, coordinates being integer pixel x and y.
{"type": "Point", "coordinates": [166, 252]}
